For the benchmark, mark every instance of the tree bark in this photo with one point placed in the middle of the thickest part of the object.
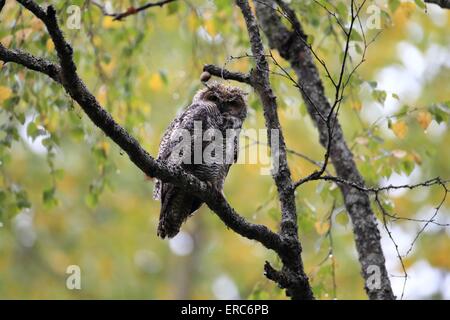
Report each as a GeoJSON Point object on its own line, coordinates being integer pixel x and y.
{"type": "Point", "coordinates": [65, 73]}
{"type": "Point", "coordinates": [285, 243]}
{"type": "Point", "coordinates": [367, 236]}
{"type": "Point", "coordinates": [292, 277]}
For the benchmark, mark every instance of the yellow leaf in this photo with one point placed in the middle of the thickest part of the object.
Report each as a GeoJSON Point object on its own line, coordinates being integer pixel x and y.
{"type": "Point", "coordinates": [156, 83]}
{"type": "Point", "coordinates": [146, 108]}
{"type": "Point", "coordinates": [400, 129]}
{"type": "Point", "coordinates": [36, 24]}
{"type": "Point", "coordinates": [424, 118]}
{"type": "Point", "coordinates": [404, 12]}
{"type": "Point", "coordinates": [105, 146]}
{"type": "Point", "coordinates": [50, 121]}
{"type": "Point", "coordinates": [109, 23]}
{"type": "Point", "coordinates": [108, 68]}
{"type": "Point", "coordinates": [5, 93]}
{"type": "Point", "coordinates": [20, 35]}
{"type": "Point", "coordinates": [276, 56]}
{"type": "Point", "coordinates": [357, 105]}
{"type": "Point", "coordinates": [58, 261]}
{"type": "Point", "coordinates": [50, 46]}
{"type": "Point", "coordinates": [192, 22]}
{"type": "Point", "coordinates": [23, 34]}
{"type": "Point", "coordinates": [102, 95]}
{"type": "Point", "coordinates": [210, 27]}
{"type": "Point", "coordinates": [120, 110]}
{"type": "Point", "coordinates": [97, 41]}
{"type": "Point", "coordinates": [6, 41]}
{"type": "Point", "coordinates": [322, 227]}
{"type": "Point", "coordinates": [243, 64]}
{"type": "Point", "coordinates": [417, 158]}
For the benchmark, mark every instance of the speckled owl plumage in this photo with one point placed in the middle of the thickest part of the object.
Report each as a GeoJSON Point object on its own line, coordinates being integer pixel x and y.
{"type": "Point", "coordinates": [218, 107]}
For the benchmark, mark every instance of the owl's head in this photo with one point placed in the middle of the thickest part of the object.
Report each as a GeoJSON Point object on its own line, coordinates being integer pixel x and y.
{"type": "Point", "coordinates": [230, 100]}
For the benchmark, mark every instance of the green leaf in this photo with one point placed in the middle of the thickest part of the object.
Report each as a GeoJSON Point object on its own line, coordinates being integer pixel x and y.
{"type": "Point", "coordinates": [379, 95]}
{"type": "Point", "coordinates": [408, 167]}
{"type": "Point", "coordinates": [393, 5]}
{"type": "Point", "coordinates": [440, 112]}
{"type": "Point", "coordinates": [172, 8]}
{"type": "Point", "coordinates": [358, 48]}
{"type": "Point", "coordinates": [273, 214]}
{"type": "Point", "coordinates": [355, 36]}
{"type": "Point", "coordinates": [48, 196]}
{"type": "Point", "coordinates": [10, 103]}
{"type": "Point", "coordinates": [163, 75]}
{"type": "Point", "coordinates": [342, 218]}
{"type": "Point", "coordinates": [373, 84]}
{"type": "Point", "coordinates": [33, 131]}
{"type": "Point", "coordinates": [22, 199]}
{"type": "Point", "coordinates": [21, 117]}
{"type": "Point", "coordinates": [2, 197]}
{"type": "Point", "coordinates": [48, 142]}
{"type": "Point", "coordinates": [342, 10]}
{"type": "Point", "coordinates": [11, 135]}
{"type": "Point", "coordinates": [78, 134]}
{"type": "Point", "coordinates": [99, 154]}
{"type": "Point", "coordinates": [58, 174]}
{"type": "Point", "coordinates": [91, 200]}
{"type": "Point", "coordinates": [306, 220]}
{"type": "Point", "coordinates": [420, 4]}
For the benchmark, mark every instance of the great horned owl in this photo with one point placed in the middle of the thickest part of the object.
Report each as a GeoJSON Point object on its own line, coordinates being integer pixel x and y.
{"type": "Point", "coordinates": [217, 109]}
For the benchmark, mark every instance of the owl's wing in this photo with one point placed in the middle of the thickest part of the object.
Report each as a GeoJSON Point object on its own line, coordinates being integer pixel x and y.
{"type": "Point", "coordinates": [206, 113]}
{"type": "Point", "coordinates": [165, 150]}
{"type": "Point", "coordinates": [177, 204]}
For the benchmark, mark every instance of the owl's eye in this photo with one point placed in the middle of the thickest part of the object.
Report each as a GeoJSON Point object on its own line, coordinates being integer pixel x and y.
{"type": "Point", "coordinates": [234, 107]}
{"type": "Point", "coordinates": [213, 98]}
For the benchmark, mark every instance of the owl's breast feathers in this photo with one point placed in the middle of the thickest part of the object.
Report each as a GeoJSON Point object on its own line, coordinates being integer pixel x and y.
{"type": "Point", "coordinates": [178, 204]}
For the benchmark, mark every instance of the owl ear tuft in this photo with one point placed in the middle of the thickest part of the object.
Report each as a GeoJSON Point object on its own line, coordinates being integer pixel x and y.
{"type": "Point", "coordinates": [204, 77]}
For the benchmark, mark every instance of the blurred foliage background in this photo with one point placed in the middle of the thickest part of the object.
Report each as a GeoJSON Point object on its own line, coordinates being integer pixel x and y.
{"type": "Point", "coordinates": [68, 196]}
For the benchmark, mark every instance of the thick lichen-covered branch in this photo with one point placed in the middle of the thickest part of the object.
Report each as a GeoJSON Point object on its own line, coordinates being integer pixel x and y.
{"type": "Point", "coordinates": [292, 46]}
{"type": "Point", "coordinates": [292, 277]}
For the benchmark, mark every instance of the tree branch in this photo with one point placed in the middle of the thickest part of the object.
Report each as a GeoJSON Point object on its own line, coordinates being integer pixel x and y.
{"type": "Point", "coordinates": [31, 62]}
{"type": "Point", "coordinates": [226, 74]}
{"type": "Point", "coordinates": [297, 52]}
{"type": "Point", "coordinates": [292, 277]}
{"type": "Point", "coordinates": [297, 284]}
{"type": "Point", "coordinates": [131, 10]}
{"type": "Point", "coordinates": [66, 74]}
{"type": "Point", "coordinates": [2, 4]}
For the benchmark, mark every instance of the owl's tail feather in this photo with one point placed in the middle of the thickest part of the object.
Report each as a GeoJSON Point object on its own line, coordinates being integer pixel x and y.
{"type": "Point", "coordinates": [176, 207]}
